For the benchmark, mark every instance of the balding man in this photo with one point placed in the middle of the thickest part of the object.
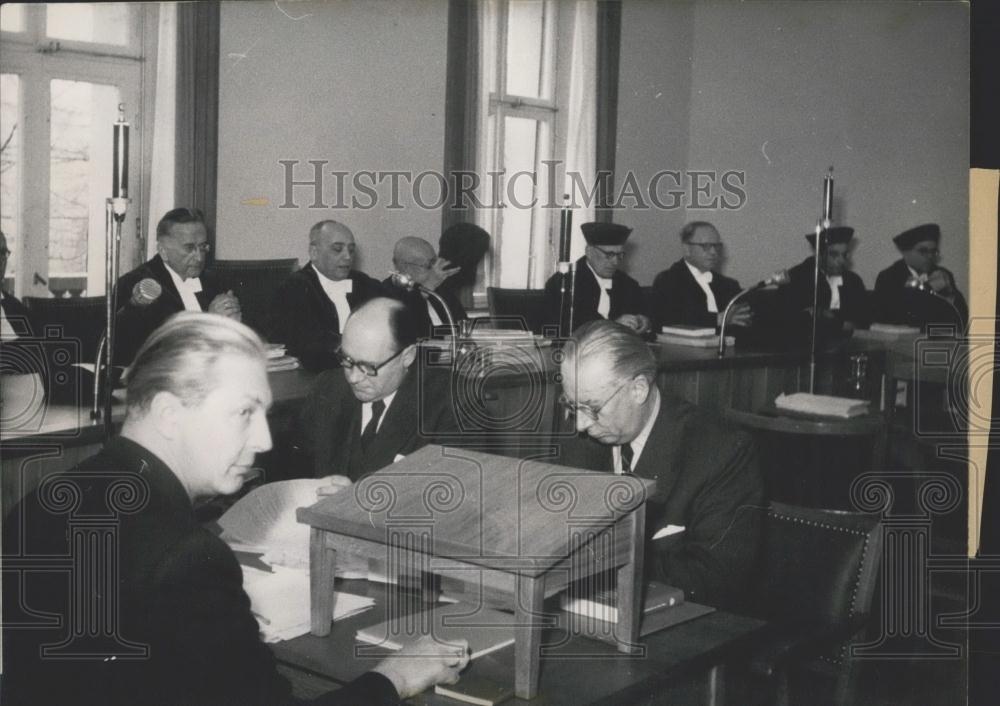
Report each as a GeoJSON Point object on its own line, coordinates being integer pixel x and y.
{"type": "Point", "coordinates": [363, 417]}
{"type": "Point", "coordinates": [162, 618]}
{"type": "Point", "coordinates": [702, 510]}
{"type": "Point", "coordinates": [173, 280]}
{"type": "Point", "coordinates": [312, 305]}
{"type": "Point", "coordinates": [415, 258]}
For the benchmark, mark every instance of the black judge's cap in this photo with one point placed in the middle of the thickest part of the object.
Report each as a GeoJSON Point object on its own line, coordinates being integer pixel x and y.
{"type": "Point", "coordinates": [605, 233]}
{"type": "Point", "coordinates": [838, 235]}
{"type": "Point", "coordinates": [908, 238]}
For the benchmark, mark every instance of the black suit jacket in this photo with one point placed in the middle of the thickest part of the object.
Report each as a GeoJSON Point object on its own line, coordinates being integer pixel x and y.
{"type": "Point", "coordinates": [798, 295]}
{"type": "Point", "coordinates": [135, 323]}
{"type": "Point", "coordinates": [179, 594]}
{"type": "Point", "coordinates": [306, 321]}
{"type": "Point", "coordinates": [417, 305]}
{"type": "Point", "coordinates": [679, 300]}
{"type": "Point", "coordinates": [895, 304]}
{"type": "Point", "coordinates": [329, 439]}
{"type": "Point", "coordinates": [707, 481]}
{"type": "Point", "coordinates": [626, 296]}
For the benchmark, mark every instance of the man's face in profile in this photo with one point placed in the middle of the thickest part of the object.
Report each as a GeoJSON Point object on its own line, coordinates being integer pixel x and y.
{"type": "Point", "coordinates": [184, 248]}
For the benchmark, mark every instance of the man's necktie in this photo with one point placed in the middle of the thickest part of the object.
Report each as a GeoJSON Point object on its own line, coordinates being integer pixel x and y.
{"type": "Point", "coordinates": [627, 455]}
{"type": "Point", "coordinates": [368, 435]}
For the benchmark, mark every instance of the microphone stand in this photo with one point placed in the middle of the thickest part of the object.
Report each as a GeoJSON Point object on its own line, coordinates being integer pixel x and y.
{"type": "Point", "coordinates": [917, 285]}
{"type": "Point", "coordinates": [821, 228]}
{"type": "Point", "coordinates": [777, 278]}
{"type": "Point", "coordinates": [567, 269]}
{"type": "Point", "coordinates": [406, 282]}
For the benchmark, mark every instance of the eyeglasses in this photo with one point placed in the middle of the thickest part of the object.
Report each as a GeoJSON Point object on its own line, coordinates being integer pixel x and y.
{"type": "Point", "coordinates": [708, 246]}
{"type": "Point", "coordinates": [190, 248]}
{"type": "Point", "coordinates": [370, 369]}
{"type": "Point", "coordinates": [590, 411]}
{"type": "Point", "coordinates": [610, 254]}
{"type": "Point", "coordinates": [928, 252]}
{"type": "Point", "coordinates": [421, 265]}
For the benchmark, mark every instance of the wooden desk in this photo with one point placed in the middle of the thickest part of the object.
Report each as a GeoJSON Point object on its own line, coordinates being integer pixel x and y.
{"type": "Point", "coordinates": [522, 529]}
{"type": "Point", "coordinates": [574, 670]}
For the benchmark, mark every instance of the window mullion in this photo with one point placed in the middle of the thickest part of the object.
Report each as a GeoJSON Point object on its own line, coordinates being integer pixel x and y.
{"type": "Point", "coordinates": [34, 238]}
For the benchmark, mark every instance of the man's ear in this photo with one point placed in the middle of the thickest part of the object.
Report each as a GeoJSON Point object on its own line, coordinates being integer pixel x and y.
{"type": "Point", "coordinates": [409, 355]}
{"type": "Point", "coordinates": [164, 414]}
{"type": "Point", "coordinates": [640, 389]}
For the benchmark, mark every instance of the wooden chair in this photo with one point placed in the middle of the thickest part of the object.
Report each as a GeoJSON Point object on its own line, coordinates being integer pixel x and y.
{"type": "Point", "coordinates": [255, 282]}
{"type": "Point", "coordinates": [814, 585]}
{"type": "Point", "coordinates": [81, 319]}
{"type": "Point", "coordinates": [511, 304]}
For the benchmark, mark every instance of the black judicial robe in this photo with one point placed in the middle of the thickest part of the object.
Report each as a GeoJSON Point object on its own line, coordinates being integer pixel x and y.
{"type": "Point", "coordinates": [180, 596]}
{"type": "Point", "coordinates": [895, 304]}
{"type": "Point", "coordinates": [306, 321]}
{"type": "Point", "coordinates": [678, 300]}
{"type": "Point", "coordinates": [417, 305]}
{"type": "Point", "coordinates": [626, 296]}
{"type": "Point", "coordinates": [135, 323]}
{"type": "Point", "coordinates": [797, 298]}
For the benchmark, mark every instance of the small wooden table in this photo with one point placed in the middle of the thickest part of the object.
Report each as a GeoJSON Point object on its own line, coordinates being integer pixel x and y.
{"type": "Point", "coordinates": [522, 528]}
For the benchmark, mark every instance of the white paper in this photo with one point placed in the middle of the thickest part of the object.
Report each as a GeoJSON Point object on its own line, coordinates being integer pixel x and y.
{"type": "Point", "coordinates": [667, 531]}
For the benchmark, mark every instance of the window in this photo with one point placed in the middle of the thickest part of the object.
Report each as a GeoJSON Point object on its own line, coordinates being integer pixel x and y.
{"type": "Point", "coordinates": [65, 70]}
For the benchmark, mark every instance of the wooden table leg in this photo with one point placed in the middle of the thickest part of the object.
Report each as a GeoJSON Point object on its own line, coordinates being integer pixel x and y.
{"type": "Point", "coordinates": [630, 584]}
{"type": "Point", "coordinates": [527, 635]}
{"type": "Point", "coordinates": [322, 562]}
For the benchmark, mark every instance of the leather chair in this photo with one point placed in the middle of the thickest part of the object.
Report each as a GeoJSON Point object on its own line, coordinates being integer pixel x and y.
{"type": "Point", "coordinates": [814, 583]}
{"type": "Point", "coordinates": [255, 282]}
{"type": "Point", "coordinates": [527, 304]}
{"type": "Point", "coordinates": [81, 319]}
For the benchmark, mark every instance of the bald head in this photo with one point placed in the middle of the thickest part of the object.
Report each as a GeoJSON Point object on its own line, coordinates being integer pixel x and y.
{"type": "Point", "coordinates": [414, 257]}
{"type": "Point", "coordinates": [380, 334]}
{"type": "Point", "coordinates": [331, 249]}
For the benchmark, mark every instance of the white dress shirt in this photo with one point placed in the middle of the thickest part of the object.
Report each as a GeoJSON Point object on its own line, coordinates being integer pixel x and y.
{"type": "Point", "coordinates": [366, 412]}
{"type": "Point", "coordinates": [187, 288]}
{"type": "Point", "coordinates": [704, 279]}
{"type": "Point", "coordinates": [432, 312]}
{"type": "Point", "coordinates": [604, 285]}
{"type": "Point", "coordinates": [922, 276]}
{"type": "Point", "coordinates": [639, 442]}
{"type": "Point", "coordinates": [834, 281]}
{"type": "Point", "coordinates": [337, 291]}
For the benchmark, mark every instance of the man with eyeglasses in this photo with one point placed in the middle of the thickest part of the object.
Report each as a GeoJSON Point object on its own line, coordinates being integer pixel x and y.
{"type": "Point", "coordinates": [173, 280]}
{"type": "Point", "coordinates": [692, 292]}
{"type": "Point", "coordinates": [378, 406]}
{"type": "Point", "coordinates": [916, 290]}
{"type": "Point", "coordinates": [415, 258]}
{"type": "Point", "coordinates": [311, 307]}
{"type": "Point", "coordinates": [602, 290]}
{"type": "Point", "coordinates": [702, 532]}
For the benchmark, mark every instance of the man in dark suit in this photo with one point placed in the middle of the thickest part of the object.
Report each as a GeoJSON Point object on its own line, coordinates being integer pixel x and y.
{"type": "Point", "coordinates": [381, 405]}
{"type": "Point", "coordinates": [310, 308]}
{"type": "Point", "coordinates": [15, 319]}
{"type": "Point", "coordinates": [415, 258]}
{"type": "Point", "coordinates": [843, 300]}
{"type": "Point", "coordinates": [702, 531]}
{"type": "Point", "coordinates": [602, 290]}
{"type": "Point", "coordinates": [915, 290]}
{"type": "Point", "coordinates": [692, 292]}
{"type": "Point", "coordinates": [162, 617]}
{"type": "Point", "coordinates": [173, 280]}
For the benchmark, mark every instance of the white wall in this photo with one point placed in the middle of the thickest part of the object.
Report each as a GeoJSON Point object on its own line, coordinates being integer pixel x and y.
{"type": "Point", "coordinates": [782, 90]}
{"type": "Point", "coordinates": [358, 83]}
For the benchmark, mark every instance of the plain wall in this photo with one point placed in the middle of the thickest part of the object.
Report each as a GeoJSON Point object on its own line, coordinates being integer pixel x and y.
{"type": "Point", "coordinates": [358, 83]}
{"type": "Point", "coordinates": [784, 90]}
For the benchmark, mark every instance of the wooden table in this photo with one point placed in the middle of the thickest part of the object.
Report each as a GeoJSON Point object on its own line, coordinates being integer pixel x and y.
{"type": "Point", "coordinates": [521, 528]}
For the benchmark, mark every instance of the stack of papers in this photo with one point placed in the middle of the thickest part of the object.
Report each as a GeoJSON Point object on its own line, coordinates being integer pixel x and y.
{"type": "Point", "coordinates": [693, 341]}
{"type": "Point", "coordinates": [274, 350]}
{"type": "Point", "coordinates": [280, 602]}
{"type": "Point", "coordinates": [486, 630]}
{"type": "Point", "coordinates": [822, 405]}
{"type": "Point", "coordinates": [285, 362]}
{"type": "Point", "coordinates": [690, 331]}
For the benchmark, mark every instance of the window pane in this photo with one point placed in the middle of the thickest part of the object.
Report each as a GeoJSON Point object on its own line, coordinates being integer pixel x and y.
{"type": "Point", "coordinates": [524, 47]}
{"type": "Point", "coordinates": [80, 181]}
{"type": "Point", "coordinates": [519, 156]}
{"type": "Point", "coordinates": [12, 18]}
{"type": "Point", "coordinates": [10, 167]}
{"type": "Point", "coordinates": [89, 22]}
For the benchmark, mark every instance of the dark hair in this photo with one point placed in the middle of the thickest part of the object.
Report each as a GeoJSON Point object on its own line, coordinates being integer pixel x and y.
{"type": "Point", "coordinates": [688, 230]}
{"type": "Point", "coordinates": [179, 215]}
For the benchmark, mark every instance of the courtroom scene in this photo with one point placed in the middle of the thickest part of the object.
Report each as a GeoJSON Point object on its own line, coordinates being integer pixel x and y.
{"type": "Point", "coordinates": [484, 351]}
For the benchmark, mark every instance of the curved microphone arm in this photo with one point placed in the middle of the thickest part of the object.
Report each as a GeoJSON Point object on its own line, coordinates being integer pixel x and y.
{"type": "Point", "coordinates": [780, 277]}
{"type": "Point", "coordinates": [409, 284]}
{"type": "Point", "coordinates": [916, 284]}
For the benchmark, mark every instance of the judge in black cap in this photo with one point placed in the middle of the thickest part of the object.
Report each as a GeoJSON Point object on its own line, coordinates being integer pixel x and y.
{"type": "Point", "coordinates": [603, 291]}
{"type": "Point", "coordinates": [842, 297]}
{"type": "Point", "coordinates": [915, 291]}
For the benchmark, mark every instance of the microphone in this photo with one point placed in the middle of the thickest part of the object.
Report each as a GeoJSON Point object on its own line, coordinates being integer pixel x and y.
{"type": "Point", "coordinates": [778, 278]}
{"type": "Point", "coordinates": [406, 282]}
{"type": "Point", "coordinates": [146, 291]}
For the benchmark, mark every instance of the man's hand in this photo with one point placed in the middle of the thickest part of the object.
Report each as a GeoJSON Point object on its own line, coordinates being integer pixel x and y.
{"type": "Point", "coordinates": [334, 484]}
{"type": "Point", "coordinates": [424, 663]}
{"type": "Point", "coordinates": [637, 322]}
{"type": "Point", "coordinates": [439, 272]}
{"type": "Point", "coordinates": [940, 282]}
{"type": "Point", "coordinates": [227, 305]}
{"type": "Point", "coordinates": [739, 316]}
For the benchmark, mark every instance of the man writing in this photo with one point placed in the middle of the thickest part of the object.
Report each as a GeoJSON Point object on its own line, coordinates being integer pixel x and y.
{"type": "Point", "coordinates": [197, 401]}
